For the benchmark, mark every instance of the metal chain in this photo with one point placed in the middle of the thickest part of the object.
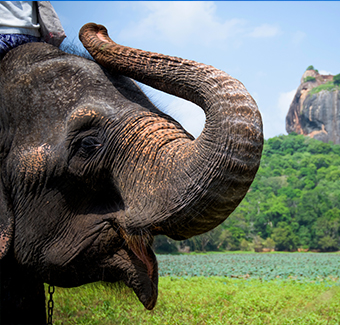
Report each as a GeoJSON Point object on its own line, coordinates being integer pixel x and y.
{"type": "Point", "coordinates": [50, 305]}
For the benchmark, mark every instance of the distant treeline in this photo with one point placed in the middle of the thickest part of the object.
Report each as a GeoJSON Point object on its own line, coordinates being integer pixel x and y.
{"type": "Point", "coordinates": [293, 203]}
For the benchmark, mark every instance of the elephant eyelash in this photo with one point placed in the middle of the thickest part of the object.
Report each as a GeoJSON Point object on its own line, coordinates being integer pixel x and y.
{"type": "Point", "coordinates": [90, 142]}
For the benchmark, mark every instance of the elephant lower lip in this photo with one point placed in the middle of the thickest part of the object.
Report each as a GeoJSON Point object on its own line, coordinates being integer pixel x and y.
{"type": "Point", "coordinates": [141, 270]}
{"type": "Point", "coordinates": [145, 288]}
{"type": "Point", "coordinates": [147, 296]}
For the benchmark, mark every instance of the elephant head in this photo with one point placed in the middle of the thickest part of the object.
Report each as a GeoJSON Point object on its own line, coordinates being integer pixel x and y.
{"type": "Point", "coordinates": [91, 170]}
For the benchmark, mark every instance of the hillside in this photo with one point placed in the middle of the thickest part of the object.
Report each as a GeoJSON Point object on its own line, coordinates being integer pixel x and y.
{"type": "Point", "coordinates": [293, 203]}
{"type": "Point", "coordinates": [315, 109]}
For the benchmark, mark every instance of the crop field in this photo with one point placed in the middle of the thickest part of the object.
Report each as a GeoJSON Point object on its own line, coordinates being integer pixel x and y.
{"type": "Point", "coordinates": [217, 289]}
{"type": "Point", "coordinates": [260, 266]}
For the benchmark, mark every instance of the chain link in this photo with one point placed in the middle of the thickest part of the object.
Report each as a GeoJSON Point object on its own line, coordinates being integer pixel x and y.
{"type": "Point", "coordinates": [50, 304]}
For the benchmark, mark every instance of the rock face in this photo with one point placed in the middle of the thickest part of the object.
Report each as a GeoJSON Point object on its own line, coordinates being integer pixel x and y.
{"type": "Point", "coordinates": [316, 113]}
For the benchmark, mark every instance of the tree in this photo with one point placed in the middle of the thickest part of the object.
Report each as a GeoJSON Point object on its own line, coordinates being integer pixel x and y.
{"type": "Point", "coordinates": [225, 240]}
{"type": "Point", "coordinates": [333, 173]}
{"type": "Point", "coordinates": [336, 79]}
{"type": "Point", "coordinates": [245, 245]}
{"type": "Point", "coordinates": [257, 243]}
{"type": "Point", "coordinates": [304, 235]}
{"type": "Point", "coordinates": [297, 184]}
{"type": "Point", "coordinates": [269, 243]}
{"type": "Point", "coordinates": [164, 245]}
{"type": "Point", "coordinates": [328, 243]}
{"type": "Point", "coordinates": [231, 238]}
{"type": "Point", "coordinates": [276, 210]}
{"type": "Point", "coordinates": [316, 147]}
{"type": "Point", "coordinates": [284, 237]}
{"type": "Point", "coordinates": [327, 230]}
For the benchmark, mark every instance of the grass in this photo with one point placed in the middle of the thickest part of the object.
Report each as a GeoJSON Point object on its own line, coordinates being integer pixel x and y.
{"type": "Point", "coordinates": [301, 288]}
{"type": "Point", "coordinates": [329, 86]}
{"type": "Point", "coordinates": [200, 300]}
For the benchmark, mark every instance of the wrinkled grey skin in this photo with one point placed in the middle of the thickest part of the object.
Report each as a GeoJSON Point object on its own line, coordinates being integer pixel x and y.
{"type": "Point", "coordinates": [91, 171]}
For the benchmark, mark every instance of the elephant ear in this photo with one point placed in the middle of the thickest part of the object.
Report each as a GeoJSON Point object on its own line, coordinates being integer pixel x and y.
{"type": "Point", "coordinates": [6, 223]}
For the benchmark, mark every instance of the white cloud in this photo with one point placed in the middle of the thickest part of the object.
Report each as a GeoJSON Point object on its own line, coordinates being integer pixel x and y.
{"type": "Point", "coordinates": [180, 22]}
{"type": "Point", "coordinates": [265, 30]}
{"type": "Point", "coordinates": [324, 72]}
{"type": "Point", "coordinates": [284, 101]}
{"type": "Point", "coordinates": [174, 21]}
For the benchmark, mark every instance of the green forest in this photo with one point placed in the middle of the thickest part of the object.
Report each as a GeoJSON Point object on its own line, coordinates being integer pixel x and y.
{"type": "Point", "coordinates": [292, 205]}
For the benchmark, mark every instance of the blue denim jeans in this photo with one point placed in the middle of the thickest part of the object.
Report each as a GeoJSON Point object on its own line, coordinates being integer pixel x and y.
{"type": "Point", "coordinates": [10, 41]}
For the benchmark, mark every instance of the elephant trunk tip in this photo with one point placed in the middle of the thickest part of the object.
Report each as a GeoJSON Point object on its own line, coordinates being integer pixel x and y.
{"type": "Point", "coordinates": [93, 30]}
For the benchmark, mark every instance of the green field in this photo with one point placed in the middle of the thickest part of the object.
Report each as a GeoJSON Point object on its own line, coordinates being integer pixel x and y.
{"type": "Point", "coordinates": [299, 266]}
{"type": "Point", "coordinates": [245, 297]}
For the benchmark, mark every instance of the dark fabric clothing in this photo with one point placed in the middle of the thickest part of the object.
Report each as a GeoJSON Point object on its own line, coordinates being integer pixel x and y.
{"type": "Point", "coordinates": [10, 41]}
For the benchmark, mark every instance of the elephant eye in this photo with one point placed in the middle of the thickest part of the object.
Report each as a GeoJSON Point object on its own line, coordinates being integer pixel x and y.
{"type": "Point", "coordinates": [90, 142]}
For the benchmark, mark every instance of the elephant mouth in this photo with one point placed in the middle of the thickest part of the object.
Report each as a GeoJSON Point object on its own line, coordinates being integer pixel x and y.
{"type": "Point", "coordinates": [147, 292]}
{"type": "Point", "coordinates": [139, 269]}
{"type": "Point", "coordinates": [140, 249]}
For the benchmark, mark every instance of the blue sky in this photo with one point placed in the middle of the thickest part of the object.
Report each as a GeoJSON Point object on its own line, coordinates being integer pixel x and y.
{"type": "Point", "coordinates": [266, 45]}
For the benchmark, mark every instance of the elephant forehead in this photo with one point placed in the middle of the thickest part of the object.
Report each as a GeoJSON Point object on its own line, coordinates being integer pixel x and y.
{"type": "Point", "coordinates": [84, 112]}
{"type": "Point", "coordinates": [32, 159]}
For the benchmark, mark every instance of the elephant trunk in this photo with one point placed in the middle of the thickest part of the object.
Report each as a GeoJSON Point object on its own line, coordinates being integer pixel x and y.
{"type": "Point", "coordinates": [204, 179]}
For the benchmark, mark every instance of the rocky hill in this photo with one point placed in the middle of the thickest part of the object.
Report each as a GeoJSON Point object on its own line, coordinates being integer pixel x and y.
{"type": "Point", "coordinates": [315, 109]}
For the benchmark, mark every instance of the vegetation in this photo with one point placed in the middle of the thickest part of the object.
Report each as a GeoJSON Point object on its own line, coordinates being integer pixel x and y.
{"type": "Point", "coordinates": [293, 203]}
{"type": "Point", "coordinates": [309, 78]}
{"type": "Point", "coordinates": [296, 299]}
{"type": "Point", "coordinates": [203, 301]}
{"type": "Point", "coordinates": [312, 68]}
{"type": "Point", "coordinates": [336, 80]}
{"type": "Point", "coordinates": [328, 86]}
{"type": "Point", "coordinates": [301, 267]}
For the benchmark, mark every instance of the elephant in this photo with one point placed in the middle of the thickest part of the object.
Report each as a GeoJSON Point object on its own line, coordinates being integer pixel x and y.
{"type": "Point", "coordinates": [91, 170]}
